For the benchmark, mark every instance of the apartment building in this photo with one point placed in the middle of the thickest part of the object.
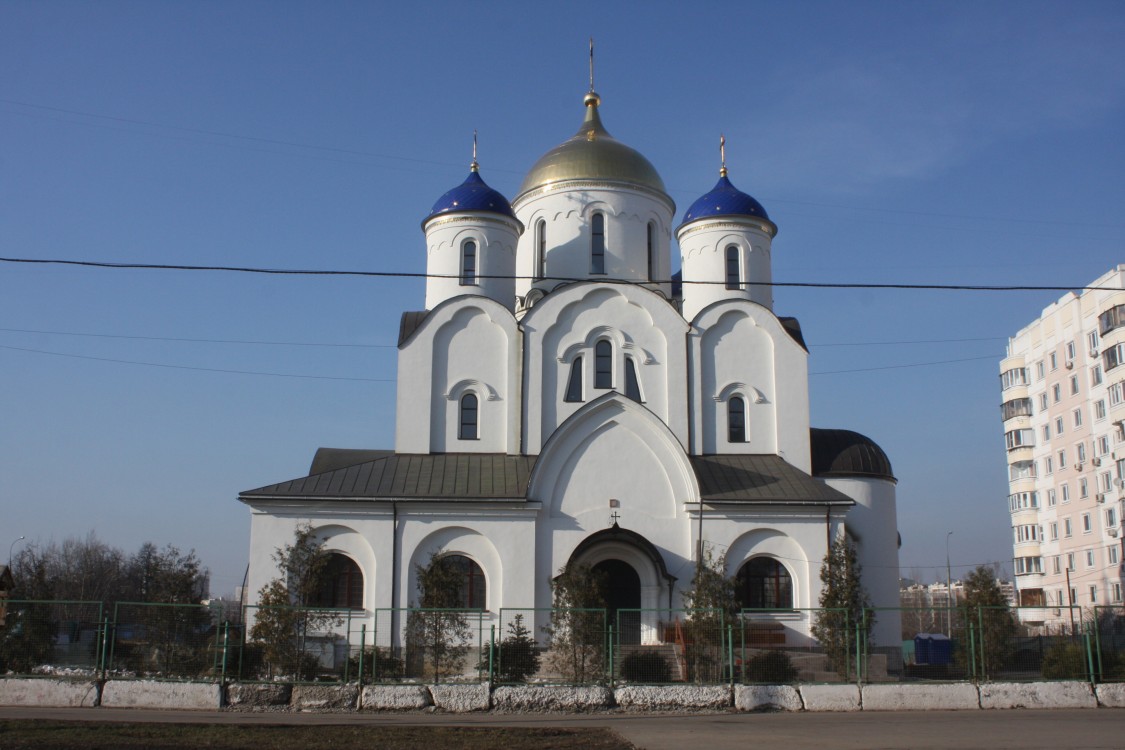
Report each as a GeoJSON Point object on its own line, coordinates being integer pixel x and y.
{"type": "Point", "coordinates": [1063, 408]}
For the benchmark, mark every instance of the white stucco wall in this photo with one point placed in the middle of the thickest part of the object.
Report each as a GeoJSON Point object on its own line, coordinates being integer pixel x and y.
{"type": "Point", "coordinates": [703, 246]}
{"type": "Point", "coordinates": [495, 237]}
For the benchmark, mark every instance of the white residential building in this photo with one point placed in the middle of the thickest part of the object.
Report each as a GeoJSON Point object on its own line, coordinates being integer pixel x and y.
{"type": "Point", "coordinates": [1063, 407]}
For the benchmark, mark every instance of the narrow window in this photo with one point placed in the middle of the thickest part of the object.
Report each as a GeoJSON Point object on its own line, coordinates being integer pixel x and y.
{"type": "Point", "coordinates": [469, 417]}
{"type": "Point", "coordinates": [540, 249]}
{"type": "Point", "coordinates": [597, 243]}
{"type": "Point", "coordinates": [651, 251]}
{"type": "Point", "coordinates": [469, 264]}
{"type": "Point", "coordinates": [574, 384]}
{"type": "Point", "coordinates": [632, 386]}
{"type": "Point", "coordinates": [764, 583]}
{"type": "Point", "coordinates": [733, 277]}
{"type": "Point", "coordinates": [736, 420]}
{"type": "Point", "coordinates": [603, 364]}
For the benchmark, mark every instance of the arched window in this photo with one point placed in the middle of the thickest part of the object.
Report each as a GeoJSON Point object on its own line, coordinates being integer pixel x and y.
{"type": "Point", "coordinates": [632, 385]}
{"type": "Point", "coordinates": [468, 429]}
{"type": "Point", "coordinates": [597, 243]}
{"type": "Point", "coordinates": [540, 249]}
{"type": "Point", "coordinates": [473, 591]}
{"type": "Point", "coordinates": [764, 583]}
{"type": "Point", "coordinates": [651, 251]}
{"type": "Point", "coordinates": [341, 584]}
{"type": "Point", "coordinates": [734, 278]}
{"type": "Point", "coordinates": [469, 263]}
{"type": "Point", "coordinates": [574, 384]}
{"type": "Point", "coordinates": [603, 364]}
{"type": "Point", "coordinates": [736, 419]}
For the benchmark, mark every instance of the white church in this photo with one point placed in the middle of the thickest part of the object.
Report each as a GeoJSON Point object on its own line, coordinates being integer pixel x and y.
{"type": "Point", "coordinates": [564, 398]}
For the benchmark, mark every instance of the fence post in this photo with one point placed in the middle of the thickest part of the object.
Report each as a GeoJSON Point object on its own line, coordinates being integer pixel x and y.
{"type": "Point", "coordinates": [491, 652]}
{"type": "Point", "coordinates": [1089, 657]}
{"type": "Point", "coordinates": [226, 647]}
{"type": "Point", "coordinates": [1098, 644]}
{"type": "Point", "coordinates": [972, 648]}
{"type": "Point", "coordinates": [362, 648]}
{"type": "Point", "coordinates": [858, 651]}
{"type": "Point", "coordinates": [730, 652]}
{"type": "Point", "coordinates": [611, 662]}
{"type": "Point", "coordinates": [103, 645]}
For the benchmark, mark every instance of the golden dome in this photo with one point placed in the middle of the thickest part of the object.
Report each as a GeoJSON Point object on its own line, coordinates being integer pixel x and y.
{"type": "Point", "coordinates": [592, 154]}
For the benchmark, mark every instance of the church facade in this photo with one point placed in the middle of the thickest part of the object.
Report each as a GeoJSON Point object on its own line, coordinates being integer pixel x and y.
{"type": "Point", "coordinates": [564, 398]}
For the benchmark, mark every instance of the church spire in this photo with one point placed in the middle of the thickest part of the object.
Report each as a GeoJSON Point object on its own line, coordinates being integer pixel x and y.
{"type": "Point", "coordinates": [474, 167]}
{"type": "Point", "coordinates": [722, 155]}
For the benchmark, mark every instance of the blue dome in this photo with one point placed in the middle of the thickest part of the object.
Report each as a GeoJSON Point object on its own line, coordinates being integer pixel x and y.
{"type": "Point", "coordinates": [472, 195]}
{"type": "Point", "coordinates": [725, 200]}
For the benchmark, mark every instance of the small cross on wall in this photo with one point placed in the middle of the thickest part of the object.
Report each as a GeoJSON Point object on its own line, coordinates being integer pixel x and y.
{"type": "Point", "coordinates": [614, 516]}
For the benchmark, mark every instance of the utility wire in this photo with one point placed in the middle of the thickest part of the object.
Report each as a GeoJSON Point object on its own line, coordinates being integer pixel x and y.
{"type": "Point", "coordinates": [420, 275]}
{"type": "Point", "coordinates": [197, 369]}
{"type": "Point", "coordinates": [197, 341]}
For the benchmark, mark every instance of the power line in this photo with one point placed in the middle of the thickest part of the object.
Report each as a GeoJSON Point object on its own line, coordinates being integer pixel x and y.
{"type": "Point", "coordinates": [198, 341]}
{"type": "Point", "coordinates": [889, 343]}
{"type": "Point", "coordinates": [197, 369]}
{"type": "Point", "coordinates": [421, 275]}
{"type": "Point", "coordinates": [900, 367]}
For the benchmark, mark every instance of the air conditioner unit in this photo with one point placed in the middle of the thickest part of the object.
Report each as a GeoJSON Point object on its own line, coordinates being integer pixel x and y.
{"type": "Point", "coordinates": [1056, 611]}
{"type": "Point", "coordinates": [1093, 354]}
{"type": "Point", "coordinates": [1070, 364]}
{"type": "Point", "coordinates": [1111, 531]}
{"type": "Point", "coordinates": [1078, 466]}
{"type": "Point", "coordinates": [1101, 497]}
{"type": "Point", "coordinates": [1097, 462]}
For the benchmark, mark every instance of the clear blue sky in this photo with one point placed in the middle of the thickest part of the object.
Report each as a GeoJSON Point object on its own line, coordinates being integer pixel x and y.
{"type": "Point", "coordinates": [968, 143]}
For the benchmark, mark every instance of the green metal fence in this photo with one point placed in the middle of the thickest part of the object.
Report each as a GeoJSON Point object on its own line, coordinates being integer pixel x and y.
{"type": "Point", "coordinates": [300, 644]}
{"type": "Point", "coordinates": [658, 646]}
{"type": "Point", "coordinates": [430, 645]}
{"type": "Point", "coordinates": [798, 645]}
{"type": "Point", "coordinates": [168, 641]}
{"type": "Point", "coordinates": [51, 638]}
{"type": "Point", "coordinates": [567, 646]}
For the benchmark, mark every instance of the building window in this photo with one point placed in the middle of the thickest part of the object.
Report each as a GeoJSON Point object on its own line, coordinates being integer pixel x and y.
{"type": "Point", "coordinates": [1113, 556]}
{"type": "Point", "coordinates": [1068, 531]}
{"type": "Point", "coordinates": [1065, 492]}
{"type": "Point", "coordinates": [1040, 370]}
{"type": "Point", "coordinates": [1115, 394]}
{"type": "Point", "coordinates": [1112, 318]}
{"type": "Point", "coordinates": [1083, 488]}
{"type": "Point", "coordinates": [1073, 594]}
{"type": "Point", "coordinates": [1105, 480]}
{"type": "Point", "coordinates": [1049, 465]}
{"type": "Point", "coordinates": [632, 385]}
{"type": "Point", "coordinates": [1081, 448]}
{"type": "Point", "coordinates": [1070, 350]}
{"type": "Point", "coordinates": [736, 419]}
{"type": "Point", "coordinates": [1062, 459]}
{"type": "Point", "coordinates": [1019, 439]}
{"type": "Point", "coordinates": [597, 243]}
{"type": "Point", "coordinates": [1051, 501]}
{"type": "Point", "coordinates": [1077, 417]}
{"type": "Point", "coordinates": [341, 584]}
{"type": "Point", "coordinates": [1070, 560]}
{"type": "Point", "coordinates": [651, 237]}
{"type": "Point", "coordinates": [469, 418]}
{"type": "Point", "coordinates": [1099, 410]}
{"type": "Point", "coordinates": [603, 364]}
{"type": "Point", "coordinates": [469, 263]}
{"type": "Point", "coordinates": [1087, 525]}
{"type": "Point", "coordinates": [1054, 531]}
{"type": "Point", "coordinates": [1013, 377]}
{"type": "Point", "coordinates": [1093, 595]}
{"type": "Point", "coordinates": [1017, 407]}
{"type": "Point", "coordinates": [1116, 591]}
{"type": "Point", "coordinates": [1059, 424]}
{"type": "Point", "coordinates": [473, 591]}
{"type": "Point", "coordinates": [1073, 385]}
{"type": "Point", "coordinates": [1054, 361]}
{"type": "Point", "coordinates": [1101, 445]}
{"type": "Point", "coordinates": [1096, 375]}
{"type": "Point", "coordinates": [540, 270]}
{"type": "Point", "coordinates": [1113, 356]}
{"type": "Point", "coordinates": [1089, 558]}
{"type": "Point", "coordinates": [1110, 517]}
{"type": "Point", "coordinates": [764, 583]}
{"type": "Point", "coordinates": [1092, 339]}
{"type": "Point", "coordinates": [1057, 565]}
{"type": "Point", "coordinates": [1056, 392]}
{"type": "Point", "coordinates": [574, 383]}
{"type": "Point", "coordinates": [734, 277]}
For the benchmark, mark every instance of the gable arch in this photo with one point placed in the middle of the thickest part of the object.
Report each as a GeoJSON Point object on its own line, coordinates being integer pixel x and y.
{"type": "Point", "coordinates": [579, 467]}
{"type": "Point", "coordinates": [459, 540]}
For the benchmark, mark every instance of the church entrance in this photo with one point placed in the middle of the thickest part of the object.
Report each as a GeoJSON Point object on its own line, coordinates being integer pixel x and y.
{"type": "Point", "coordinates": [623, 592]}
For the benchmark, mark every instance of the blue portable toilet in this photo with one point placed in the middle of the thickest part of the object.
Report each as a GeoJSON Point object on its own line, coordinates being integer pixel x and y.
{"type": "Point", "coordinates": [933, 648]}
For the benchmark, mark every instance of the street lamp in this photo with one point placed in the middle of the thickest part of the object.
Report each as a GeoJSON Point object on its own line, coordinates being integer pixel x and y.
{"type": "Point", "coordinates": [948, 590]}
{"type": "Point", "coordinates": [11, 547]}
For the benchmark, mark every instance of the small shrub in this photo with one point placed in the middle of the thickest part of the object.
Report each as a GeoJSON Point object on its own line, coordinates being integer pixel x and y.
{"type": "Point", "coordinates": [774, 667]}
{"type": "Point", "coordinates": [1065, 660]}
{"type": "Point", "coordinates": [645, 666]}
{"type": "Point", "coordinates": [378, 664]}
{"type": "Point", "coordinates": [515, 658]}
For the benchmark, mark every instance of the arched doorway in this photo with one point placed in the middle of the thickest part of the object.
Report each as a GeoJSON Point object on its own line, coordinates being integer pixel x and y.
{"type": "Point", "coordinates": [623, 592]}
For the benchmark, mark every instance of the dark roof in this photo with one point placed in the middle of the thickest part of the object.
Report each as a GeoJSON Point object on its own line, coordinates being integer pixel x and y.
{"type": "Point", "coordinates": [409, 323]}
{"type": "Point", "coordinates": [439, 476]}
{"type": "Point", "coordinates": [759, 479]}
{"type": "Point", "coordinates": [843, 453]}
{"type": "Point", "coordinates": [340, 474]}
{"type": "Point", "coordinates": [792, 326]}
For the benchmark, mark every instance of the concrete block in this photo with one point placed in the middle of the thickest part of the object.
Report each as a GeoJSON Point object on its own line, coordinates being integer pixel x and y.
{"type": "Point", "coordinates": [15, 691]}
{"type": "Point", "coordinates": [324, 697]}
{"type": "Point", "coordinates": [1037, 695]}
{"type": "Point", "coordinates": [830, 697]}
{"type": "Point", "coordinates": [767, 698]}
{"type": "Point", "coordinates": [1111, 694]}
{"type": "Point", "coordinates": [460, 699]}
{"type": "Point", "coordinates": [920, 697]}
{"type": "Point", "coordinates": [651, 697]}
{"type": "Point", "coordinates": [395, 697]}
{"type": "Point", "coordinates": [550, 698]}
{"type": "Point", "coordinates": [259, 695]}
{"type": "Point", "coordinates": [192, 696]}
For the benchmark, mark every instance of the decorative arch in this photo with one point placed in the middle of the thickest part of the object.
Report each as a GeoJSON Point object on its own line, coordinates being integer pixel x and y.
{"type": "Point", "coordinates": [468, 543]}
{"type": "Point", "coordinates": [346, 542]}
{"type": "Point", "coordinates": [779, 546]}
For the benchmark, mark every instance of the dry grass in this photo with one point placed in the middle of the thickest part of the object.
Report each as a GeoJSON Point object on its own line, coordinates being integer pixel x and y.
{"type": "Point", "coordinates": [78, 735]}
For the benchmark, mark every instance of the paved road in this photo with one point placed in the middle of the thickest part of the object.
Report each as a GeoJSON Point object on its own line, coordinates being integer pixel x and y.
{"type": "Point", "coordinates": [956, 730]}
